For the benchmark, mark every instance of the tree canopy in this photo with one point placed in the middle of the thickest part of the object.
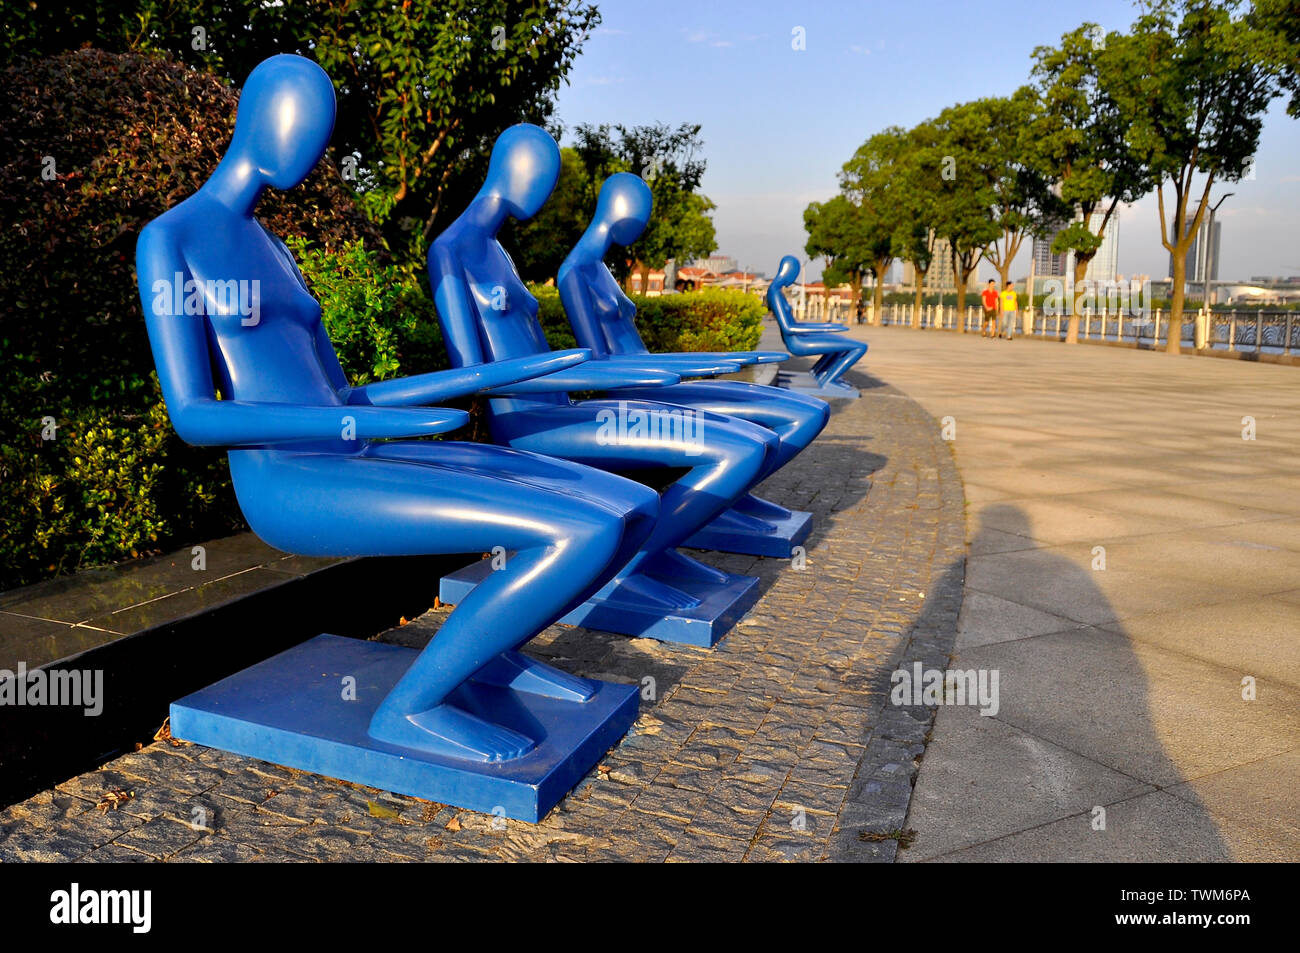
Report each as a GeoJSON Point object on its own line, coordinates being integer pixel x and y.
{"type": "Point", "coordinates": [424, 86]}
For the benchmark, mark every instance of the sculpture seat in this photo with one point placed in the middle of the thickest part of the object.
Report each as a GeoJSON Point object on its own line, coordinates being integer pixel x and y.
{"type": "Point", "coordinates": [805, 339]}
{"type": "Point", "coordinates": [603, 320]}
{"type": "Point", "coordinates": [323, 468]}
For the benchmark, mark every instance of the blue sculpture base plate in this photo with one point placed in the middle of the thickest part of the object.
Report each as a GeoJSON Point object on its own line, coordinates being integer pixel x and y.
{"type": "Point", "coordinates": [720, 608]}
{"type": "Point", "coordinates": [801, 382]}
{"type": "Point", "coordinates": [290, 710]}
{"type": "Point", "coordinates": [735, 531]}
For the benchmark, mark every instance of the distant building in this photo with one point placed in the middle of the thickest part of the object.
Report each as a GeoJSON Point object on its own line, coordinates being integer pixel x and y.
{"type": "Point", "coordinates": [654, 284]}
{"type": "Point", "coordinates": [1105, 263]}
{"type": "Point", "coordinates": [695, 276]}
{"type": "Point", "coordinates": [939, 277]}
{"type": "Point", "coordinates": [717, 264]}
{"type": "Point", "coordinates": [1103, 266]}
{"type": "Point", "coordinates": [1047, 263]}
{"type": "Point", "coordinates": [1196, 255]}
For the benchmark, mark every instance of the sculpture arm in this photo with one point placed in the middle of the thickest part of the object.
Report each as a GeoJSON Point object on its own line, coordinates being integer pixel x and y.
{"type": "Point", "coordinates": [329, 360]}
{"type": "Point", "coordinates": [594, 375]}
{"type": "Point", "coordinates": [452, 299]}
{"type": "Point", "coordinates": [207, 422]}
{"type": "Point", "coordinates": [780, 309]}
{"type": "Point", "coordinates": [810, 326]}
{"type": "Point", "coordinates": [745, 357]}
{"type": "Point", "coordinates": [575, 296]}
{"type": "Point", "coordinates": [461, 381]}
{"type": "Point", "coordinates": [684, 363]}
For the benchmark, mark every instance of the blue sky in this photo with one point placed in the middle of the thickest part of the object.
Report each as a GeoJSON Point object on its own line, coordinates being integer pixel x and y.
{"type": "Point", "coordinates": [779, 123]}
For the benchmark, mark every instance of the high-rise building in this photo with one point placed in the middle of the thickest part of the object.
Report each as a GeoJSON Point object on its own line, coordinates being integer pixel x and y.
{"type": "Point", "coordinates": [1196, 254]}
{"type": "Point", "coordinates": [1048, 264]}
{"type": "Point", "coordinates": [1105, 263]}
{"type": "Point", "coordinates": [1102, 267]}
{"type": "Point", "coordinates": [939, 277]}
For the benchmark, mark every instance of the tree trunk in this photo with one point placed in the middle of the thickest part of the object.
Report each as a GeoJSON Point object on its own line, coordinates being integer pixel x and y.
{"type": "Point", "coordinates": [962, 283]}
{"type": "Point", "coordinates": [958, 291]}
{"type": "Point", "coordinates": [878, 294]}
{"type": "Point", "coordinates": [1080, 270]}
{"type": "Point", "coordinates": [1174, 345]}
{"type": "Point", "coordinates": [645, 277]}
{"type": "Point", "coordinates": [856, 286]}
{"type": "Point", "coordinates": [919, 301]}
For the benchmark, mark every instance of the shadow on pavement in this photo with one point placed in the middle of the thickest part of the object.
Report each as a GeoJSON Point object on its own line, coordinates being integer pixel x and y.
{"type": "Point", "coordinates": [1074, 731]}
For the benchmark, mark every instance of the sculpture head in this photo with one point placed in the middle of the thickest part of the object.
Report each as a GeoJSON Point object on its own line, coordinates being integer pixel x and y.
{"type": "Point", "coordinates": [522, 172]}
{"type": "Point", "coordinates": [285, 120]}
{"type": "Point", "coordinates": [624, 207]}
{"type": "Point", "coordinates": [787, 271]}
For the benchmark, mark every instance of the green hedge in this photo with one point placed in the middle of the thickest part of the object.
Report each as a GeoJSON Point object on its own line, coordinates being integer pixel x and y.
{"type": "Point", "coordinates": [381, 322]}
{"type": "Point", "coordinates": [714, 319]}
{"type": "Point", "coordinates": [92, 146]}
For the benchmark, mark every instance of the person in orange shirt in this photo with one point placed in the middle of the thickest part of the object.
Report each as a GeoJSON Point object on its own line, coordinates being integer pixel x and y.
{"type": "Point", "coordinates": [1009, 304]}
{"type": "Point", "coordinates": [989, 298]}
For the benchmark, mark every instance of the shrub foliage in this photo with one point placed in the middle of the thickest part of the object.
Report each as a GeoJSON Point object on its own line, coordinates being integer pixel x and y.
{"type": "Point", "coordinates": [92, 146]}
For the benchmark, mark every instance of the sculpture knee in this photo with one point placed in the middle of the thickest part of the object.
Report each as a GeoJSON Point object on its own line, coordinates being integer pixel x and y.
{"type": "Point", "coordinates": [640, 519]}
{"type": "Point", "coordinates": [592, 535]}
{"type": "Point", "coordinates": [771, 447]}
{"type": "Point", "coordinates": [811, 418]}
{"type": "Point", "coordinates": [745, 453]}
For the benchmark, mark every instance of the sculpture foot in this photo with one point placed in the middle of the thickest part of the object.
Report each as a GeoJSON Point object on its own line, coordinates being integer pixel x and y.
{"type": "Point", "coordinates": [834, 384]}
{"type": "Point", "coordinates": [518, 671]}
{"type": "Point", "coordinates": [760, 509]}
{"type": "Point", "coordinates": [643, 592]}
{"type": "Point", "coordinates": [450, 731]}
{"type": "Point", "coordinates": [675, 565]}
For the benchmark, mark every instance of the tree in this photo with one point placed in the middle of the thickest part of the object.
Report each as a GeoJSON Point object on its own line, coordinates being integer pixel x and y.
{"type": "Point", "coordinates": [836, 235]}
{"type": "Point", "coordinates": [868, 180]}
{"type": "Point", "coordinates": [669, 160]}
{"type": "Point", "coordinates": [964, 193]}
{"type": "Point", "coordinates": [539, 245]}
{"type": "Point", "coordinates": [1192, 81]}
{"type": "Point", "coordinates": [1024, 203]}
{"type": "Point", "coordinates": [424, 86]}
{"type": "Point", "coordinates": [1283, 18]}
{"type": "Point", "coordinates": [914, 200]}
{"type": "Point", "coordinates": [1083, 147]}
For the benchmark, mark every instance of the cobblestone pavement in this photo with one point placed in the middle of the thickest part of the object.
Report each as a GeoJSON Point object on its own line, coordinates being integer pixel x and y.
{"type": "Point", "coordinates": [779, 744]}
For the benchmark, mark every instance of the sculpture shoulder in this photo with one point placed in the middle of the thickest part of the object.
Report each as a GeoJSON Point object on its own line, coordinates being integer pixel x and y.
{"type": "Point", "coordinates": [169, 234]}
{"type": "Point", "coordinates": [158, 245]}
{"type": "Point", "coordinates": [444, 254]}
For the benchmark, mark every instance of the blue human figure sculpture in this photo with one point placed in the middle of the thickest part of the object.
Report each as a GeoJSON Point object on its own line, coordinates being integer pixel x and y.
{"type": "Point", "coordinates": [602, 319]}
{"type": "Point", "coordinates": [804, 338]}
{"type": "Point", "coordinates": [307, 470]}
{"type": "Point", "coordinates": [488, 315]}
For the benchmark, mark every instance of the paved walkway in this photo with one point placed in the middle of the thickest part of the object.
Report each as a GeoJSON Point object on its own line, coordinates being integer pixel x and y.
{"type": "Point", "coordinates": [1132, 560]}
{"type": "Point", "coordinates": [777, 745]}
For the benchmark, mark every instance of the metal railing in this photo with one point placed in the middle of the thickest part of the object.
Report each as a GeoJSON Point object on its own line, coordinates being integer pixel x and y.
{"type": "Point", "coordinates": [1265, 332]}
